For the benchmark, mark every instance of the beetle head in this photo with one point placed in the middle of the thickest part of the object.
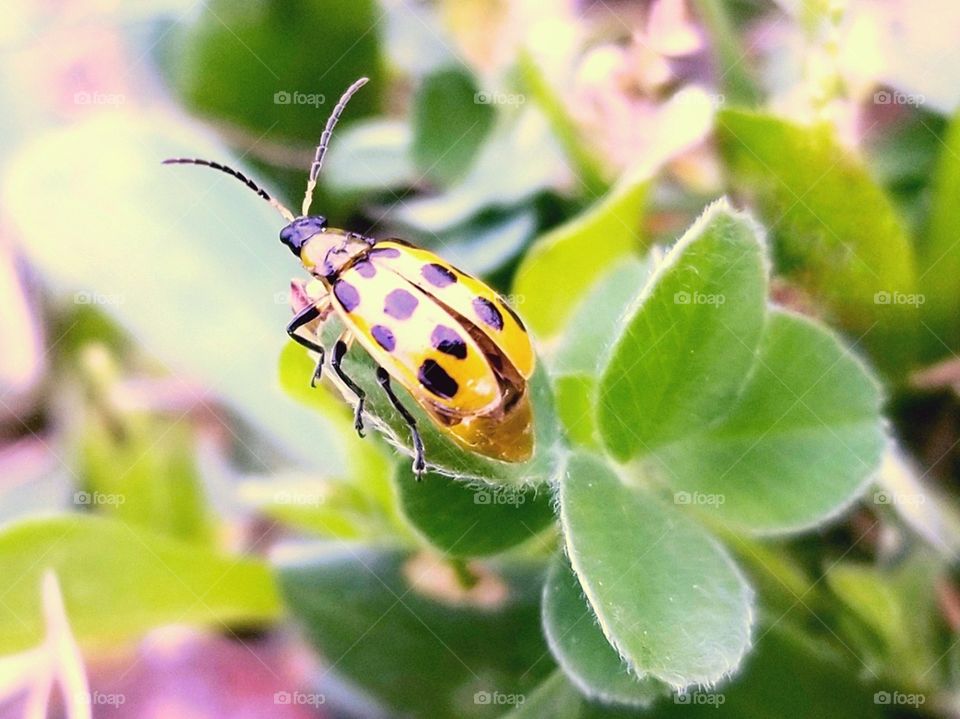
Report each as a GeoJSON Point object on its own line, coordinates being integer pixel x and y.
{"type": "Point", "coordinates": [296, 234]}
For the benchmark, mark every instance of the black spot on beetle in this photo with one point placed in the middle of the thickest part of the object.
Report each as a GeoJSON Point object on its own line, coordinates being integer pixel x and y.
{"type": "Point", "coordinates": [365, 269]}
{"type": "Point", "coordinates": [384, 337]}
{"type": "Point", "coordinates": [436, 380]}
{"type": "Point", "coordinates": [400, 304]}
{"type": "Point", "coordinates": [488, 312]}
{"type": "Point", "coordinates": [449, 342]}
{"type": "Point", "coordinates": [438, 275]}
{"type": "Point", "coordinates": [388, 252]}
{"type": "Point", "coordinates": [346, 295]}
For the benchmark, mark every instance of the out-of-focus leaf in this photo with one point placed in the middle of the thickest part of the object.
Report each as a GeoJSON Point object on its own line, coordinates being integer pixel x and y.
{"type": "Point", "coordinates": [900, 606]}
{"type": "Point", "coordinates": [184, 258]}
{"type": "Point", "coordinates": [554, 698]}
{"type": "Point", "coordinates": [585, 345]}
{"type": "Point", "coordinates": [664, 592]}
{"type": "Point", "coordinates": [836, 231]}
{"type": "Point", "coordinates": [586, 165]}
{"type": "Point", "coordinates": [119, 580]}
{"type": "Point", "coordinates": [564, 263]}
{"type": "Point", "coordinates": [800, 442]}
{"type": "Point", "coordinates": [581, 649]}
{"type": "Point", "coordinates": [359, 502]}
{"type": "Point", "coordinates": [277, 67]}
{"type": "Point", "coordinates": [690, 337]}
{"type": "Point", "coordinates": [472, 520]}
{"type": "Point", "coordinates": [517, 161]}
{"type": "Point", "coordinates": [146, 477]}
{"type": "Point", "coordinates": [421, 656]}
{"type": "Point", "coordinates": [450, 123]}
{"type": "Point", "coordinates": [940, 257]}
{"type": "Point", "coordinates": [370, 156]}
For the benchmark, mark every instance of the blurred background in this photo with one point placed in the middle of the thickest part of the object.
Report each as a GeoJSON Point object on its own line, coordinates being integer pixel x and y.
{"type": "Point", "coordinates": [142, 307]}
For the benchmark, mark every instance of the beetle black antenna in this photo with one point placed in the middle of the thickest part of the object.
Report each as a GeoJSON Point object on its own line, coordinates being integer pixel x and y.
{"type": "Point", "coordinates": [287, 215]}
{"type": "Point", "coordinates": [325, 142]}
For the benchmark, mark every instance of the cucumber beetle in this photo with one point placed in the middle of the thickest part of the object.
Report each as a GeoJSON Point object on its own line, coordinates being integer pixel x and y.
{"type": "Point", "coordinates": [457, 348]}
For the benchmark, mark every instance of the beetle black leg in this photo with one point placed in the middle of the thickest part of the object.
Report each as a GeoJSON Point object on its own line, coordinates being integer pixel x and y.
{"type": "Point", "coordinates": [339, 350]}
{"type": "Point", "coordinates": [418, 464]}
{"type": "Point", "coordinates": [303, 317]}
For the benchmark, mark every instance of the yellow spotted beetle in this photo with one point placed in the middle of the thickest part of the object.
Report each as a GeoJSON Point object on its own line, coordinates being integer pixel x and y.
{"type": "Point", "coordinates": [445, 336]}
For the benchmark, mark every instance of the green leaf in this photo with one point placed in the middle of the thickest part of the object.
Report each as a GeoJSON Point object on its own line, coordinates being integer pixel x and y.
{"type": "Point", "coordinates": [450, 123]}
{"type": "Point", "coordinates": [665, 593]}
{"type": "Point", "coordinates": [146, 477]}
{"type": "Point", "coordinates": [940, 258]}
{"type": "Point", "coordinates": [691, 338]}
{"type": "Point", "coordinates": [472, 520]}
{"type": "Point", "coordinates": [554, 698]}
{"type": "Point", "coordinates": [277, 68]}
{"type": "Point", "coordinates": [585, 345]}
{"type": "Point", "coordinates": [186, 259]}
{"type": "Point", "coordinates": [119, 581]}
{"type": "Point", "coordinates": [799, 444]}
{"type": "Point", "coordinates": [897, 605]}
{"type": "Point", "coordinates": [416, 653]}
{"type": "Point", "coordinates": [586, 164]}
{"type": "Point", "coordinates": [836, 231]}
{"type": "Point", "coordinates": [563, 264]}
{"type": "Point", "coordinates": [371, 155]}
{"type": "Point", "coordinates": [581, 649]}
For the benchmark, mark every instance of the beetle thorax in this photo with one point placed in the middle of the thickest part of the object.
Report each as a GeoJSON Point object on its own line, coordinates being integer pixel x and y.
{"type": "Point", "coordinates": [327, 252]}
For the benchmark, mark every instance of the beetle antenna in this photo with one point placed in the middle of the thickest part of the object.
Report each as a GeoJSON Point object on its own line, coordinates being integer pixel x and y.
{"type": "Point", "coordinates": [287, 215]}
{"type": "Point", "coordinates": [325, 142]}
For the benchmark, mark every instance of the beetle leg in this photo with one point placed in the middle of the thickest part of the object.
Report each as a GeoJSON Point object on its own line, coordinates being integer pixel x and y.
{"type": "Point", "coordinates": [304, 317]}
{"type": "Point", "coordinates": [339, 350]}
{"type": "Point", "coordinates": [418, 464]}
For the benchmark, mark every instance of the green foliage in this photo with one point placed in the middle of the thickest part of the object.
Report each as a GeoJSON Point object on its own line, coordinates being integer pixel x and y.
{"type": "Point", "coordinates": [683, 354]}
{"type": "Point", "coordinates": [939, 260]}
{"type": "Point", "coordinates": [253, 65]}
{"type": "Point", "coordinates": [450, 124]}
{"type": "Point", "coordinates": [420, 653]}
{"type": "Point", "coordinates": [473, 520]}
{"type": "Point", "coordinates": [836, 232]}
{"type": "Point", "coordinates": [666, 595]}
{"type": "Point", "coordinates": [563, 264]}
{"type": "Point", "coordinates": [119, 581]}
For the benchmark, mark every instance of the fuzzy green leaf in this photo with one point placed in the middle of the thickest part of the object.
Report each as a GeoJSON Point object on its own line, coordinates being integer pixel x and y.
{"type": "Point", "coordinates": [690, 338]}
{"type": "Point", "coordinates": [665, 593]}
